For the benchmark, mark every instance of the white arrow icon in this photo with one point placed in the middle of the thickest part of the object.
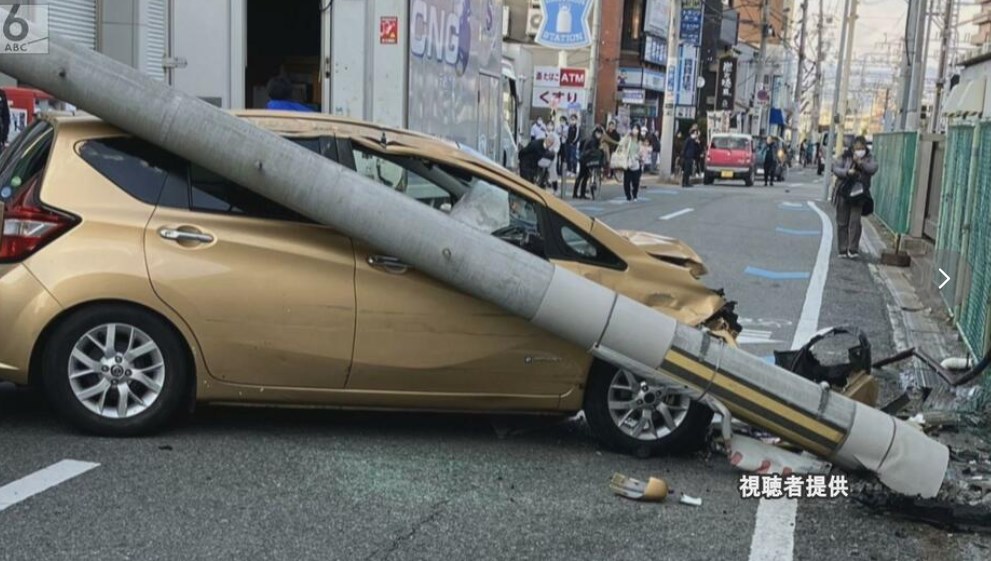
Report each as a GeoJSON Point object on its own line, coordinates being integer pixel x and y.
{"type": "Point", "coordinates": [946, 277]}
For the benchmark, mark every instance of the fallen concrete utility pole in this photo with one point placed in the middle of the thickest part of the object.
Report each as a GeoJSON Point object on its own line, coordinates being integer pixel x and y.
{"type": "Point", "coordinates": [611, 326]}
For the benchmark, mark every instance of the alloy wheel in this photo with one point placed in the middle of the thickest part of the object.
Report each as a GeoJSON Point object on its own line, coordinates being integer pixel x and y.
{"type": "Point", "coordinates": [116, 371]}
{"type": "Point", "coordinates": [645, 410]}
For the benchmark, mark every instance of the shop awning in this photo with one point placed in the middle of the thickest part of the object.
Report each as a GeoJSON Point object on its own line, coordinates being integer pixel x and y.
{"type": "Point", "coordinates": [778, 117]}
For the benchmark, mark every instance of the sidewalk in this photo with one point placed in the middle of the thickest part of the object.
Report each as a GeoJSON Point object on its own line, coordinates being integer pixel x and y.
{"type": "Point", "coordinates": [920, 319]}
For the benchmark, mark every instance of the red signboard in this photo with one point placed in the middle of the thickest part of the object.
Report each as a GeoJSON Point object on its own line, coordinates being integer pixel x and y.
{"type": "Point", "coordinates": [572, 77]}
{"type": "Point", "coordinates": [389, 30]}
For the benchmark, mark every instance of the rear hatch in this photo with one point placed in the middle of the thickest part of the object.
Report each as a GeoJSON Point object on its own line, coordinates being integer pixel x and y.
{"type": "Point", "coordinates": [729, 151]}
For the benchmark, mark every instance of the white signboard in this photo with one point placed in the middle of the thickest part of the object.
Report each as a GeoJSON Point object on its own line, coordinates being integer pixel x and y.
{"type": "Point", "coordinates": [658, 17]}
{"type": "Point", "coordinates": [634, 97]}
{"type": "Point", "coordinates": [653, 80]}
{"type": "Point", "coordinates": [559, 98]}
{"type": "Point", "coordinates": [685, 86]}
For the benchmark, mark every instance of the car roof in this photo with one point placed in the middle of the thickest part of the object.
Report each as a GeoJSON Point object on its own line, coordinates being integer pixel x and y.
{"type": "Point", "coordinates": [303, 124]}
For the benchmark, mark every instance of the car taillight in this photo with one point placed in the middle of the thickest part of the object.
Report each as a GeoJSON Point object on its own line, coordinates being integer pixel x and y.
{"type": "Point", "coordinates": [28, 226]}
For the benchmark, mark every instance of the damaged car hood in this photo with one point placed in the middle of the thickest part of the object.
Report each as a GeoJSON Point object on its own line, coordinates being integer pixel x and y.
{"type": "Point", "coordinates": [667, 249]}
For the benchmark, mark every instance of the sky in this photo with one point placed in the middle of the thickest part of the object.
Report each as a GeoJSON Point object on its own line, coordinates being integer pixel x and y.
{"type": "Point", "coordinates": [880, 22]}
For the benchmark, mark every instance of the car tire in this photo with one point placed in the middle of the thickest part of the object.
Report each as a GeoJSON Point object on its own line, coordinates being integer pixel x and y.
{"type": "Point", "coordinates": [148, 369]}
{"type": "Point", "coordinates": [749, 180]}
{"type": "Point", "coordinates": [689, 434]}
{"type": "Point", "coordinates": [708, 179]}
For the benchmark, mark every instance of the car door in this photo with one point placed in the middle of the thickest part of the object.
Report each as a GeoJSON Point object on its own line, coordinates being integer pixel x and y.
{"type": "Point", "coordinates": [269, 295]}
{"type": "Point", "coordinates": [415, 334]}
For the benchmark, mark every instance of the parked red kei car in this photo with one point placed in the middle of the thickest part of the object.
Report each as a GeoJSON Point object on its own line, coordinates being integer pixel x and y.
{"type": "Point", "coordinates": [730, 156]}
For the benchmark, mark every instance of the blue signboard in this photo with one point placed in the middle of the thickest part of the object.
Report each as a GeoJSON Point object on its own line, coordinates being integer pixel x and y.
{"type": "Point", "coordinates": [655, 50]}
{"type": "Point", "coordinates": [691, 22]}
{"type": "Point", "coordinates": [565, 24]}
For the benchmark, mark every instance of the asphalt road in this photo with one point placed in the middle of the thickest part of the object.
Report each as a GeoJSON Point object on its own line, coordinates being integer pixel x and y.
{"type": "Point", "coordinates": [277, 484]}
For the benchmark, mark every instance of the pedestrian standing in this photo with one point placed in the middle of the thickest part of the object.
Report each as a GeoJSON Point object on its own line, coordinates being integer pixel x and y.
{"type": "Point", "coordinates": [689, 154]}
{"type": "Point", "coordinates": [655, 151]}
{"type": "Point", "coordinates": [553, 173]}
{"type": "Point", "coordinates": [591, 158]}
{"type": "Point", "coordinates": [280, 96]}
{"type": "Point", "coordinates": [611, 139]}
{"type": "Point", "coordinates": [629, 149]}
{"type": "Point", "coordinates": [562, 134]}
{"type": "Point", "coordinates": [852, 195]}
{"type": "Point", "coordinates": [770, 161]}
{"type": "Point", "coordinates": [573, 141]}
{"type": "Point", "coordinates": [538, 131]}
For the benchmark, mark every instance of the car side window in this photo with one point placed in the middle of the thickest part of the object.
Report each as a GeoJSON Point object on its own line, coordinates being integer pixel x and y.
{"type": "Point", "coordinates": [571, 243]}
{"type": "Point", "coordinates": [139, 168]}
{"type": "Point", "coordinates": [210, 192]}
{"type": "Point", "coordinates": [399, 178]}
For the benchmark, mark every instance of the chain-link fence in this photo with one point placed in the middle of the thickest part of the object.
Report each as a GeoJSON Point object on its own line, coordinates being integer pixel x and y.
{"type": "Point", "coordinates": [893, 187]}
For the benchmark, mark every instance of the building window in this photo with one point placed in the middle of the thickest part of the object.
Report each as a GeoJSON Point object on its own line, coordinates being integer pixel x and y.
{"type": "Point", "coordinates": [633, 11]}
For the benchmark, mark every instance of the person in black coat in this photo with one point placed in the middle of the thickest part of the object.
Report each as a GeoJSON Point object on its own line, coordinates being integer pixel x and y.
{"type": "Point", "coordinates": [592, 156]}
{"type": "Point", "coordinates": [690, 152]}
{"type": "Point", "coordinates": [770, 161]}
{"type": "Point", "coordinates": [531, 154]}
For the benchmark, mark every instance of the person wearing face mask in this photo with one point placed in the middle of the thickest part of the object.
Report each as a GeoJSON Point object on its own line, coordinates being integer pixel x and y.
{"type": "Point", "coordinates": [591, 158]}
{"type": "Point", "coordinates": [852, 195]}
{"type": "Point", "coordinates": [770, 161]}
{"type": "Point", "coordinates": [690, 153]}
{"type": "Point", "coordinates": [629, 148]}
{"type": "Point", "coordinates": [611, 141]}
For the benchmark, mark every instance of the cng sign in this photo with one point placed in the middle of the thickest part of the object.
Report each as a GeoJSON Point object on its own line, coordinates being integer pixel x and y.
{"type": "Point", "coordinates": [565, 24]}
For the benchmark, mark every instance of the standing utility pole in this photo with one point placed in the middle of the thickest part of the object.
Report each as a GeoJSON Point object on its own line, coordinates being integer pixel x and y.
{"type": "Point", "coordinates": [840, 63]}
{"type": "Point", "coordinates": [796, 108]}
{"type": "Point", "coordinates": [593, 62]}
{"type": "Point", "coordinates": [817, 100]}
{"type": "Point", "coordinates": [765, 11]}
{"type": "Point", "coordinates": [668, 123]}
{"type": "Point", "coordinates": [908, 107]}
{"type": "Point", "coordinates": [944, 54]}
{"type": "Point", "coordinates": [918, 83]}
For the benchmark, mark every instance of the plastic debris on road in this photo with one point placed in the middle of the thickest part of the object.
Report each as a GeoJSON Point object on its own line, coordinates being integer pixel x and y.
{"type": "Point", "coordinates": [653, 490]}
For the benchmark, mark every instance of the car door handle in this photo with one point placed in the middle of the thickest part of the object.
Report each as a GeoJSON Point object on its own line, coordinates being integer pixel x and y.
{"type": "Point", "coordinates": [388, 264]}
{"type": "Point", "coordinates": [184, 236]}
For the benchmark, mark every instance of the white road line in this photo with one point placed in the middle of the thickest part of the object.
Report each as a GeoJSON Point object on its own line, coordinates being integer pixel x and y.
{"type": "Point", "coordinates": [41, 480]}
{"type": "Point", "coordinates": [774, 530]}
{"type": "Point", "coordinates": [676, 214]}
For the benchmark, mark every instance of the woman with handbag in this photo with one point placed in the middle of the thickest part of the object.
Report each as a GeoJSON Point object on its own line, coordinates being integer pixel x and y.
{"type": "Point", "coordinates": [629, 156]}
{"type": "Point", "coordinates": [852, 195]}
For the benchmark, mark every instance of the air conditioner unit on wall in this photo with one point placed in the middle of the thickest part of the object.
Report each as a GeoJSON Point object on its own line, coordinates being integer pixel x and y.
{"type": "Point", "coordinates": [534, 17]}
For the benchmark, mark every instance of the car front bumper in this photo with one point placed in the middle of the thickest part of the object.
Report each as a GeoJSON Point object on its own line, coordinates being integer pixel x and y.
{"type": "Point", "coordinates": [25, 309]}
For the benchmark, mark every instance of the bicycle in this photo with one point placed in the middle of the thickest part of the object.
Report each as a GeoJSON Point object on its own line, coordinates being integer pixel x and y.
{"type": "Point", "coordinates": [595, 181]}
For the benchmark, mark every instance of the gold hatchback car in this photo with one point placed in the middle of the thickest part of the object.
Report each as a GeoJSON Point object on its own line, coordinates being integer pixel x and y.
{"type": "Point", "coordinates": [134, 284]}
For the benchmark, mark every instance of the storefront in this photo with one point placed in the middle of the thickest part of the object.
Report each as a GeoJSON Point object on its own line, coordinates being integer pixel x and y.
{"type": "Point", "coordinates": [641, 92]}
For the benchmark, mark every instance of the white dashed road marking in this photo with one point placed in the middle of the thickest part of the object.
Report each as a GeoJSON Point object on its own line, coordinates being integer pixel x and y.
{"type": "Point", "coordinates": [41, 481]}
{"type": "Point", "coordinates": [774, 530]}
{"type": "Point", "coordinates": [681, 212]}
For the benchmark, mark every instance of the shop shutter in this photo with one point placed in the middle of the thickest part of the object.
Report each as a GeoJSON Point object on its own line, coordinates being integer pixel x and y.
{"type": "Point", "coordinates": [154, 38]}
{"type": "Point", "coordinates": [74, 20]}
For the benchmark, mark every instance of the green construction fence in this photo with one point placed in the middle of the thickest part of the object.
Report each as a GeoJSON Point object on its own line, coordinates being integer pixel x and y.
{"type": "Point", "coordinates": [893, 187]}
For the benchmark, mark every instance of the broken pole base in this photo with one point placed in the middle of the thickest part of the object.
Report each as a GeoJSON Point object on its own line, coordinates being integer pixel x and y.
{"type": "Point", "coordinates": [895, 259]}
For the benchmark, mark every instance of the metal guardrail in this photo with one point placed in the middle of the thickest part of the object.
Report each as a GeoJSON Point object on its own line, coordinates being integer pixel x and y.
{"type": "Point", "coordinates": [893, 187]}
